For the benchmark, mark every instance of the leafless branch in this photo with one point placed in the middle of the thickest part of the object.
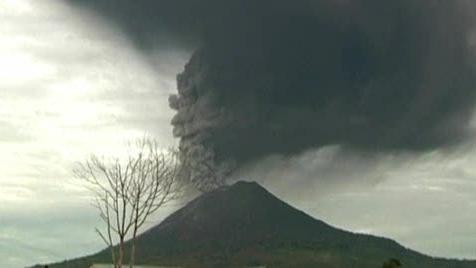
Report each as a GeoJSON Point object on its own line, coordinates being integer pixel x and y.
{"type": "Point", "coordinates": [128, 191]}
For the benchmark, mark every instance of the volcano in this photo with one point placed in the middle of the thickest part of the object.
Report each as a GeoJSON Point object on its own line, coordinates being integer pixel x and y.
{"type": "Point", "coordinates": [244, 225]}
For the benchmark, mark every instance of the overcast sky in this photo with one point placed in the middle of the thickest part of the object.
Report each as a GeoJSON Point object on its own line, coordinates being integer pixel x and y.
{"type": "Point", "coordinates": [69, 86]}
{"type": "Point", "coordinates": [72, 84]}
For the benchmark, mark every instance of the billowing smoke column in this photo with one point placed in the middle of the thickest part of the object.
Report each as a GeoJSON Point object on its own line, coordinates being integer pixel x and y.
{"type": "Point", "coordinates": [285, 76]}
{"type": "Point", "coordinates": [371, 75]}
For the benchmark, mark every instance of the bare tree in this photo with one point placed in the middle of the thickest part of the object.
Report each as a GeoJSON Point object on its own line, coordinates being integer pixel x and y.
{"type": "Point", "coordinates": [157, 184]}
{"type": "Point", "coordinates": [127, 191]}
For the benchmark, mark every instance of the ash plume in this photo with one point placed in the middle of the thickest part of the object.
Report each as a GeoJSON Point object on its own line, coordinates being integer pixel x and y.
{"type": "Point", "coordinates": [280, 77]}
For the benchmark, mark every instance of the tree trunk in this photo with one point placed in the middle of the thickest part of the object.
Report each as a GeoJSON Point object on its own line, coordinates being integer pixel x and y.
{"type": "Point", "coordinates": [121, 253]}
{"type": "Point", "coordinates": [134, 234]}
{"type": "Point", "coordinates": [133, 252]}
{"type": "Point", "coordinates": [113, 257]}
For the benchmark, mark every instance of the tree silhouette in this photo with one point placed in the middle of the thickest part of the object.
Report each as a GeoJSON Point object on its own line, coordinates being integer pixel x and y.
{"type": "Point", "coordinates": [128, 190]}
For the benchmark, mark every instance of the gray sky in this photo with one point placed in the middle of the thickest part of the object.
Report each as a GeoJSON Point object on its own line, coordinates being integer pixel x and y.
{"type": "Point", "coordinates": [425, 201]}
{"type": "Point", "coordinates": [72, 84]}
{"type": "Point", "coordinates": [68, 87]}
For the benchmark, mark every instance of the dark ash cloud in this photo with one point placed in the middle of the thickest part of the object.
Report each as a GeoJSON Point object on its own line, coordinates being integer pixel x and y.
{"type": "Point", "coordinates": [285, 76]}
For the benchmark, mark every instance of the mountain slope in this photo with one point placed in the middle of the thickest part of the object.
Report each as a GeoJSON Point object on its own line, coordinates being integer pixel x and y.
{"type": "Point", "coordinates": [245, 225]}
